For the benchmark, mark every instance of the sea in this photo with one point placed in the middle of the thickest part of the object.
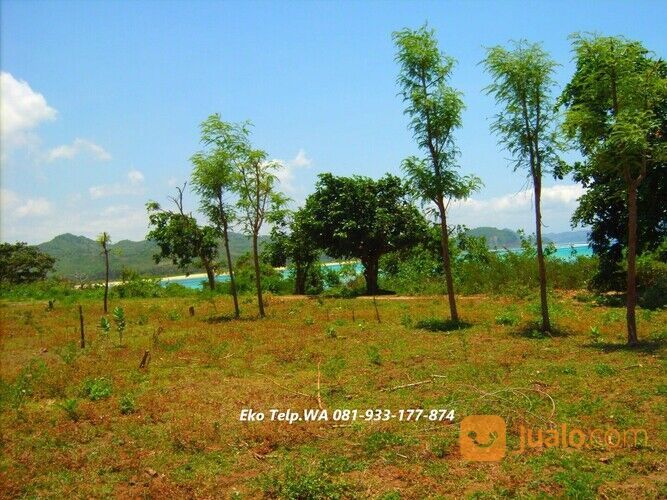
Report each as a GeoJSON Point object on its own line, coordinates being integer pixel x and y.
{"type": "Point", "coordinates": [565, 252]}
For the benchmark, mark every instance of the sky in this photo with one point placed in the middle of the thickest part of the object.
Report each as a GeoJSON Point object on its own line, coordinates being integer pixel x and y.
{"type": "Point", "coordinates": [102, 100]}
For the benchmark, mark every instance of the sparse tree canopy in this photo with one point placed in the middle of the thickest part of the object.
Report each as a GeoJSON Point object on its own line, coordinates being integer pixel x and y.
{"type": "Point", "coordinates": [21, 263]}
{"type": "Point", "coordinates": [522, 85]}
{"type": "Point", "coordinates": [358, 217]}
{"type": "Point", "coordinates": [615, 112]}
{"type": "Point", "coordinates": [434, 108]}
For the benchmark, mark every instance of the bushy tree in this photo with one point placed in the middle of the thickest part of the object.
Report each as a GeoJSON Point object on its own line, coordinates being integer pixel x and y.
{"type": "Point", "coordinates": [522, 85]}
{"type": "Point", "coordinates": [435, 111]}
{"type": "Point", "coordinates": [181, 239]}
{"type": "Point", "coordinates": [22, 263]}
{"type": "Point", "coordinates": [614, 112]}
{"type": "Point", "coordinates": [358, 217]}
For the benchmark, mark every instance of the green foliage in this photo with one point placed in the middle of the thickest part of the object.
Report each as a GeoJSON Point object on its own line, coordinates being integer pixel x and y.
{"type": "Point", "coordinates": [380, 440]}
{"type": "Point", "coordinates": [358, 217]}
{"type": "Point", "coordinates": [69, 352]}
{"type": "Point", "coordinates": [440, 325]}
{"type": "Point", "coordinates": [24, 384]}
{"type": "Point", "coordinates": [374, 357]}
{"type": "Point", "coordinates": [330, 332]}
{"type": "Point", "coordinates": [71, 408]}
{"type": "Point", "coordinates": [96, 388]}
{"type": "Point", "coordinates": [105, 325]}
{"type": "Point", "coordinates": [174, 315]}
{"type": "Point", "coordinates": [119, 320]}
{"type": "Point", "coordinates": [509, 317]}
{"type": "Point", "coordinates": [302, 484]}
{"type": "Point", "coordinates": [127, 404]}
{"type": "Point", "coordinates": [21, 263]}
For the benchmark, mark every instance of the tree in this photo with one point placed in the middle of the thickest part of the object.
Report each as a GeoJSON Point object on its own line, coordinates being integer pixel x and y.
{"type": "Point", "coordinates": [21, 263]}
{"type": "Point", "coordinates": [258, 202]}
{"type": "Point", "coordinates": [181, 239]}
{"type": "Point", "coordinates": [290, 243]}
{"type": "Point", "coordinates": [522, 82]}
{"type": "Point", "coordinates": [435, 111]}
{"type": "Point", "coordinates": [214, 176]}
{"type": "Point", "coordinates": [613, 105]}
{"type": "Point", "coordinates": [104, 240]}
{"type": "Point", "coordinates": [358, 217]}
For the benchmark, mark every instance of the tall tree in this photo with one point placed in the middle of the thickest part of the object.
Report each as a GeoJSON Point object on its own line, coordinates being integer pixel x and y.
{"type": "Point", "coordinates": [258, 202]}
{"type": "Point", "coordinates": [435, 111]}
{"type": "Point", "coordinates": [522, 86]}
{"type": "Point", "coordinates": [181, 239]}
{"type": "Point", "coordinates": [358, 217]}
{"type": "Point", "coordinates": [105, 240]}
{"type": "Point", "coordinates": [613, 105]}
{"type": "Point", "coordinates": [214, 176]}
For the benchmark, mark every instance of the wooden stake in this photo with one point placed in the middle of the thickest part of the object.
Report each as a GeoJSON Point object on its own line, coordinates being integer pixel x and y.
{"type": "Point", "coordinates": [145, 360]}
{"type": "Point", "coordinates": [83, 337]}
{"type": "Point", "coordinates": [192, 310]}
{"type": "Point", "coordinates": [377, 312]}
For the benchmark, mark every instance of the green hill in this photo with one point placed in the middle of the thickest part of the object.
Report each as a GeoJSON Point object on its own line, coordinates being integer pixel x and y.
{"type": "Point", "coordinates": [79, 257]}
{"type": "Point", "coordinates": [497, 238]}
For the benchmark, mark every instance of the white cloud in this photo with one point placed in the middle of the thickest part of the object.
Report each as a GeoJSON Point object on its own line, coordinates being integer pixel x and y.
{"type": "Point", "coordinates": [134, 186]}
{"type": "Point", "coordinates": [79, 146]}
{"type": "Point", "coordinates": [135, 177]}
{"type": "Point", "coordinates": [286, 174]}
{"type": "Point", "coordinates": [15, 206]}
{"type": "Point", "coordinates": [515, 210]}
{"type": "Point", "coordinates": [21, 110]}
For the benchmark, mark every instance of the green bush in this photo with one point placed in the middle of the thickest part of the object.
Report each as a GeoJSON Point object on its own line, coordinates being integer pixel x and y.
{"type": "Point", "coordinates": [127, 404]}
{"type": "Point", "coordinates": [96, 388]}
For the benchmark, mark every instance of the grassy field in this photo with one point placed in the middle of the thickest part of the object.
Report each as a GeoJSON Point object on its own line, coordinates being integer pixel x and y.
{"type": "Point", "coordinates": [90, 423]}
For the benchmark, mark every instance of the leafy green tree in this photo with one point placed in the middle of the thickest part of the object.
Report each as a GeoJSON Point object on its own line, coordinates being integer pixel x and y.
{"type": "Point", "coordinates": [258, 202]}
{"type": "Point", "coordinates": [290, 243]}
{"type": "Point", "coordinates": [181, 239]}
{"type": "Point", "coordinates": [214, 176]}
{"type": "Point", "coordinates": [358, 217]}
{"type": "Point", "coordinates": [522, 86]}
{"type": "Point", "coordinates": [435, 111]}
{"type": "Point", "coordinates": [105, 240]}
{"type": "Point", "coordinates": [613, 111]}
{"type": "Point", "coordinates": [21, 263]}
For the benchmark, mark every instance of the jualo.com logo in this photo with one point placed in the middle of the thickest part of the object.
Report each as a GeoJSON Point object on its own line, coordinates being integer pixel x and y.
{"type": "Point", "coordinates": [483, 438]}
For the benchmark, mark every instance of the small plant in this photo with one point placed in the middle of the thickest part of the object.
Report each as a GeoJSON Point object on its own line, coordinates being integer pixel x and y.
{"type": "Point", "coordinates": [105, 326]}
{"type": "Point", "coordinates": [374, 355]}
{"type": "Point", "coordinates": [604, 370]}
{"type": "Point", "coordinates": [440, 325]}
{"type": "Point", "coordinates": [174, 315]}
{"type": "Point", "coordinates": [508, 317]}
{"type": "Point", "coordinates": [96, 388]}
{"type": "Point", "coordinates": [309, 321]}
{"type": "Point", "coordinates": [71, 409]}
{"type": "Point", "coordinates": [330, 332]}
{"type": "Point", "coordinates": [127, 404]}
{"type": "Point", "coordinates": [119, 319]}
{"type": "Point", "coordinates": [142, 320]}
{"type": "Point", "coordinates": [596, 336]}
{"type": "Point", "coordinates": [406, 320]}
{"type": "Point", "coordinates": [68, 353]}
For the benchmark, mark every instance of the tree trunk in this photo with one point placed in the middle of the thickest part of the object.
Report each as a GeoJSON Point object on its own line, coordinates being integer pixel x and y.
{"type": "Point", "coordinates": [300, 276]}
{"type": "Point", "coordinates": [106, 279]}
{"type": "Point", "coordinates": [232, 280]}
{"type": "Point", "coordinates": [631, 295]}
{"type": "Point", "coordinates": [258, 279]}
{"type": "Point", "coordinates": [542, 271]}
{"type": "Point", "coordinates": [371, 274]}
{"type": "Point", "coordinates": [444, 241]}
{"type": "Point", "coordinates": [210, 274]}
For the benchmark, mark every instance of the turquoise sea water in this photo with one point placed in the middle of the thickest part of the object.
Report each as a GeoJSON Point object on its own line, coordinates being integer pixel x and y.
{"type": "Point", "coordinates": [565, 252]}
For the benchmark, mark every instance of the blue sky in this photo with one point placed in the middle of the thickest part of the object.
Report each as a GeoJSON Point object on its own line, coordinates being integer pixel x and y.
{"type": "Point", "coordinates": [101, 101]}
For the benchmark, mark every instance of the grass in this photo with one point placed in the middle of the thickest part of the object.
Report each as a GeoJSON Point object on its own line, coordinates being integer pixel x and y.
{"type": "Point", "coordinates": [89, 423]}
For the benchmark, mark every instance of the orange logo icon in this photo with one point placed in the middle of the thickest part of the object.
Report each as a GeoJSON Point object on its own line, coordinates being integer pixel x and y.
{"type": "Point", "coordinates": [483, 438]}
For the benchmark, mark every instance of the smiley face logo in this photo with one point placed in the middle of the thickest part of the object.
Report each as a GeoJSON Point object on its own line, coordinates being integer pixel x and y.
{"type": "Point", "coordinates": [483, 438]}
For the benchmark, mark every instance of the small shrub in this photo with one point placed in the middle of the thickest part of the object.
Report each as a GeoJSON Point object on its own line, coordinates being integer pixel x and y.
{"type": "Point", "coordinates": [508, 317]}
{"type": "Point", "coordinates": [440, 325]}
{"type": "Point", "coordinates": [303, 484]}
{"type": "Point", "coordinates": [71, 409]}
{"type": "Point", "coordinates": [174, 315]}
{"type": "Point", "coordinates": [96, 388]}
{"type": "Point", "coordinates": [596, 336]}
{"type": "Point", "coordinates": [105, 326]}
{"type": "Point", "coordinates": [127, 404]}
{"type": "Point", "coordinates": [330, 332]}
{"type": "Point", "coordinates": [374, 355]}
{"type": "Point", "coordinates": [309, 321]}
{"type": "Point", "coordinates": [119, 319]}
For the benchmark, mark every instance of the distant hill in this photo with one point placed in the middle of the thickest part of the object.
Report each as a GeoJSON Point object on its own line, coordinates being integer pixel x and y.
{"type": "Point", "coordinates": [78, 256]}
{"type": "Point", "coordinates": [499, 238]}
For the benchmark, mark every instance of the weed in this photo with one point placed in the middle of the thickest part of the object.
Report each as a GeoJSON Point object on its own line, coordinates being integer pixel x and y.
{"type": "Point", "coordinates": [604, 370]}
{"type": "Point", "coordinates": [174, 315]}
{"type": "Point", "coordinates": [406, 320]}
{"type": "Point", "coordinates": [380, 440]}
{"type": "Point", "coordinates": [508, 317]}
{"type": "Point", "coordinates": [330, 332]}
{"type": "Point", "coordinates": [309, 321]}
{"type": "Point", "coordinates": [69, 352]}
{"type": "Point", "coordinates": [96, 388]}
{"type": "Point", "coordinates": [596, 336]}
{"type": "Point", "coordinates": [302, 484]}
{"type": "Point", "coordinates": [127, 404]}
{"type": "Point", "coordinates": [374, 357]}
{"type": "Point", "coordinates": [71, 408]}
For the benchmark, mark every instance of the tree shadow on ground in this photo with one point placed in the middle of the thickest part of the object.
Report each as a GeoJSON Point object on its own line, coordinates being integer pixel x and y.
{"type": "Point", "coordinates": [441, 325]}
{"type": "Point", "coordinates": [533, 330]}
{"type": "Point", "coordinates": [645, 346]}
